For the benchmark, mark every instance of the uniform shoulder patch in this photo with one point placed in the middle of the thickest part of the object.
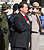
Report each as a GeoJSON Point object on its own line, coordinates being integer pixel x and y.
{"type": "Point", "coordinates": [0, 13]}
{"type": "Point", "coordinates": [9, 16]}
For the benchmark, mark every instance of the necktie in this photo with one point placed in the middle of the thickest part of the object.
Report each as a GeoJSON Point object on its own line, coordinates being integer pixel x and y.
{"type": "Point", "coordinates": [25, 18]}
{"type": "Point", "coordinates": [38, 23]}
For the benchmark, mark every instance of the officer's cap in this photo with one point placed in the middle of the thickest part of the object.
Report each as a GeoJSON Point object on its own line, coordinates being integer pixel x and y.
{"type": "Point", "coordinates": [36, 5]}
{"type": "Point", "coordinates": [5, 6]}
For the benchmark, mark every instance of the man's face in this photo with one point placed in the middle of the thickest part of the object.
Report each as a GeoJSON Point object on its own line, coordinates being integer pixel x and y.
{"type": "Point", "coordinates": [36, 10]}
{"type": "Point", "coordinates": [17, 11]}
{"type": "Point", "coordinates": [24, 10]}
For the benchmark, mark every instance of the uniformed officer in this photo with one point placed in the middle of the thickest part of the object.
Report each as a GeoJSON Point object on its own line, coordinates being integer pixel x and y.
{"type": "Point", "coordinates": [11, 23]}
{"type": "Point", "coordinates": [34, 17]}
{"type": "Point", "coordinates": [4, 30]}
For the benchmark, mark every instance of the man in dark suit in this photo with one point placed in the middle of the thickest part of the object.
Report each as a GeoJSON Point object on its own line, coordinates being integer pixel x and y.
{"type": "Point", "coordinates": [21, 38]}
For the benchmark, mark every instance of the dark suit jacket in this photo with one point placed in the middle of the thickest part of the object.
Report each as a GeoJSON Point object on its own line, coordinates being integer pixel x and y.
{"type": "Point", "coordinates": [22, 32]}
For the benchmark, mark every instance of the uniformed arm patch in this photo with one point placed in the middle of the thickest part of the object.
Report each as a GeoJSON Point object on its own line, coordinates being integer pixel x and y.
{"type": "Point", "coordinates": [0, 13]}
{"type": "Point", "coordinates": [9, 16]}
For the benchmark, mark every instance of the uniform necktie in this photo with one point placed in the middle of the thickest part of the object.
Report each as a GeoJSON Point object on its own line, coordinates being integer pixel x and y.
{"type": "Point", "coordinates": [25, 18]}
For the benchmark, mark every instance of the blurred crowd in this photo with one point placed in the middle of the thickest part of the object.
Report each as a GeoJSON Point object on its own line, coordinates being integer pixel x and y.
{"type": "Point", "coordinates": [20, 26]}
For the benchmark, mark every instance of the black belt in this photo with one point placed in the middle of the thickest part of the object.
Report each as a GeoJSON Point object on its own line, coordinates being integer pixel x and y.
{"type": "Point", "coordinates": [34, 32]}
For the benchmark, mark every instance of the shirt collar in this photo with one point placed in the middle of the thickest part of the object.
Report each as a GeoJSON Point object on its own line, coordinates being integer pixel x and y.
{"type": "Point", "coordinates": [22, 14]}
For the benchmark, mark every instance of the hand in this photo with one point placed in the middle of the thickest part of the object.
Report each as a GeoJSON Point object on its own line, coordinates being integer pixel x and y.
{"type": "Point", "coordinates": [28, 22]}
{"type": "Point", "coordinates": [29, 44]}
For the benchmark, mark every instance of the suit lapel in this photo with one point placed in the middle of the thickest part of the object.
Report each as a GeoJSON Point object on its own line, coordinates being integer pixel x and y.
{"type": "Point", "coordinates": [22, 16]}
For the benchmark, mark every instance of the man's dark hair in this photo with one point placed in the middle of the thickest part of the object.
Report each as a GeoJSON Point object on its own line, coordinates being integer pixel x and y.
{"type": "Point", "coordinates": [21, 5]}
{"type": "Point", "coordinates": [15, 7]}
